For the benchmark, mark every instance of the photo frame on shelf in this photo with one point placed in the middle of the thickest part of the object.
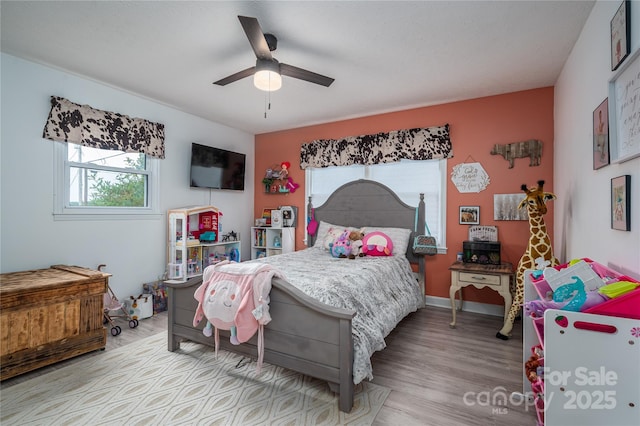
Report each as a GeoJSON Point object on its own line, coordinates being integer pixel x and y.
{"type": "Point", "coordinates": [624, 130]}
{"type": "Point", "coordinates": [601, 135]}
{"type": "Point", "coordinates": [469, 215]}
{"type": "Point", "coordinates": [621, 203]}
{"type": "Point", "coordinates": [620, 35]}
{"type": "Point", "coordinates": [276, 218]}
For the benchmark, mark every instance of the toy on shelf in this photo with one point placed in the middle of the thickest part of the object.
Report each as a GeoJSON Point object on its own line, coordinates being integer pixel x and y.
{"type": "Point", "coordinates": [291, 185]}
{"type": "Point", "coordinates": [208, 237]}
{"type": "Point", "coordinates": [277, 179]}
{"type": "Point", "coordinates": [284, 169]}
{"type": "Point", "coordinates": [231, 236]}
{"type": "Point", "coordinates": [612, 294]}
{"type": "Point", "coordinates": [557, 277]}
{"type": "Point", "coordinates": [194, 241]}
{"type": "Point", "coordinates": [577, 296]}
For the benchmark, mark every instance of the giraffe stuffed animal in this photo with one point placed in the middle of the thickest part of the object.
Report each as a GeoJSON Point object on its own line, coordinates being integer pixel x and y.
{"type": "Point", "coordinates": [538, 251]}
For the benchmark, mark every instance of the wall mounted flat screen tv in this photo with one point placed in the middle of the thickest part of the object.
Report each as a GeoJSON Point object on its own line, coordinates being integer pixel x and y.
{"type": "Point", "coordinates": [216, 168]}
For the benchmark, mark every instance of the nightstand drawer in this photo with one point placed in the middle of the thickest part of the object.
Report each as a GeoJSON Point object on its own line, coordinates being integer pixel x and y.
{"type": "Point", "coordinates": [478, 278]}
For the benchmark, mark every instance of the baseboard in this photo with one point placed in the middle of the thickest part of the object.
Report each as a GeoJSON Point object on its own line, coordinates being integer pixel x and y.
{"type": "Point", "coordinates": [477, 307]}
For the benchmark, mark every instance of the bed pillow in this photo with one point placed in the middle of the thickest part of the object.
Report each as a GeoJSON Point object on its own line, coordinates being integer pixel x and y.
{"type": "Point", "coordinates": [377, 244]}
{"type": "Point", "coordinates": [327, 233]}
{"type": "Point", "coordinates": [399, 236]}
{"type": "Point", "coordinates": [323, 228]}
{"type": "Point", "coordinates": [332, 235]}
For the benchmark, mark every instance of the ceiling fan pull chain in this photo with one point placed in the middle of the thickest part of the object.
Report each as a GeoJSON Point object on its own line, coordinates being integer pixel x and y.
{"type": "Point", "coordinates": [267, 103]}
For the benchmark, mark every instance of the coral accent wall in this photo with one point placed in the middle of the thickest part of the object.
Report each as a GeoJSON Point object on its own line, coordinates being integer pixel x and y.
{"type": "Point", "coordinates": [475, 126]}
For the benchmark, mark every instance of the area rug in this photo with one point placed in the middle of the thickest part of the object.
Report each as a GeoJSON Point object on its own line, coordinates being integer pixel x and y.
{"type": "Point", "coordinates": [144, 384]}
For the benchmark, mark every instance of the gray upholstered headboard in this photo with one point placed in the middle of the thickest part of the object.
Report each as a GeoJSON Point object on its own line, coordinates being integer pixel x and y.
{"type": "Point", "coordinates": [368, 203]}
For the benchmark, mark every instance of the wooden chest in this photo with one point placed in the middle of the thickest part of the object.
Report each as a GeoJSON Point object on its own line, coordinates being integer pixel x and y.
{"type": "Point", "coordinates": [49, 315]}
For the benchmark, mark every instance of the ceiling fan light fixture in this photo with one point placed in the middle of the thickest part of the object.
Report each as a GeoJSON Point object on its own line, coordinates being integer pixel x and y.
{"type": "Point", "coordinates": [267, 76]}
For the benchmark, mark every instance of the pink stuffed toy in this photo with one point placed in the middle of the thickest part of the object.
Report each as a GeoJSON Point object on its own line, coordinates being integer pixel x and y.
{"type": "Point", "coordinates": [341, 247]}
{"type": "Point", "coordinates": [377, 244]}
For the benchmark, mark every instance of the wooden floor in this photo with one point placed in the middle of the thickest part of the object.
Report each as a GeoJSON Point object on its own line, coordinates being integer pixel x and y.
{"type": "Point", "coordinates": [441, 376]}
{"type": "Point", "coordinates": [438, 375]}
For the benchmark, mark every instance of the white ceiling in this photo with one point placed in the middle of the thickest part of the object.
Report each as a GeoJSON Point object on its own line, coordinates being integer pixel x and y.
{"type": "Point", "coordinates": [384, 56]}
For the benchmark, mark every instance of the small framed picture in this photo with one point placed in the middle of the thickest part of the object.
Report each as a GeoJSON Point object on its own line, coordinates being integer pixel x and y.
{"type": "Point", "coordinates": [469, 215]}
{"type": "Point", "coordinates": [276, 218]}
{"type": "Point", "coordinates": [621, 203]}
{"type": "Point", "coordinates": [601, 135]}
{"type": "Point", "coordinates": [620, 35]}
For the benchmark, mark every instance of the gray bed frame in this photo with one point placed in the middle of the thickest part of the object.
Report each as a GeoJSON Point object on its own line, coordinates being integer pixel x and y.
{"type": "Point", "coordinates": [304, 334]}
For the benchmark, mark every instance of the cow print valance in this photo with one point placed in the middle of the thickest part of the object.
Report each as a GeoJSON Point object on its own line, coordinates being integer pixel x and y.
{"type": "Point", "coordinates": [86, 126]}
{"type": "Point", "coordinates": [411, 144]}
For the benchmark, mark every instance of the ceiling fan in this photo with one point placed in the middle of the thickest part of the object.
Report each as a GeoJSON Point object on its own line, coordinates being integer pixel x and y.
{"type": "Point", "coordinates": [268, 71]}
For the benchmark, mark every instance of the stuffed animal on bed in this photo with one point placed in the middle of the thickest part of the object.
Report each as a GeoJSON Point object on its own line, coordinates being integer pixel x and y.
{"type": "Point", "coordinates": [377, 244]}
{"type": "Point", "coordinates": [341, 247]}
{"type": "Point", "coordinates": [332, 235]}
{"type": "Point", "coordinates": [356, 244]}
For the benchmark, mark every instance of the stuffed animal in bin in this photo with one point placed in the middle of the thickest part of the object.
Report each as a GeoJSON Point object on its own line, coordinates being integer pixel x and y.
{"type": "Point", "coordinates": [341, 247]}
{"type": "Point", "coordinates": [356, 244]}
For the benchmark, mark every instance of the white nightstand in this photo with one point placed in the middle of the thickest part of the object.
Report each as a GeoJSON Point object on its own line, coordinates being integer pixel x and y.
{"type": "Point", "coordinates": [496, 277]}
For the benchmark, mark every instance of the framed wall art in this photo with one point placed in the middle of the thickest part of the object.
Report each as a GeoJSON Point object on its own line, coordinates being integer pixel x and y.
{"type": "Point", "coordinates": [601, 135]}
{"type": "Point", "coordinates": [620, 35]}
{"type": "Point", "coordinates": [624, 110]}
{"type": "Point", "coordinates": [469, 215]}
{"type": "Point", "coordinates": [621, 203]}
{"type": "Point", "coordinates": [505, 207]}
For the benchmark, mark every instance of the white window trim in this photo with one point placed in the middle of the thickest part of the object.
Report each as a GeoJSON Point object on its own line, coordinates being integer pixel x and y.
{"type": "Point", "coordinates": [62, 211]}
{"type": "Point", "coordinates": [442, 247]}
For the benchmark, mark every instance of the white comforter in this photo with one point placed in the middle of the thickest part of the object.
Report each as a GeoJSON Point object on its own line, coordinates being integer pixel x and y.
{"type": "Point", "coordinates": [382, 290]}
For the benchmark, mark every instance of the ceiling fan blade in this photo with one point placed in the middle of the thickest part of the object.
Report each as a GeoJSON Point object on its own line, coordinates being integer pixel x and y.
{"type": "Point", "coordinates": [235, 77]}
{"type": "Point", "coordinates": [256, 37]}
{"type": "Point", "coordinates": [312, 77]}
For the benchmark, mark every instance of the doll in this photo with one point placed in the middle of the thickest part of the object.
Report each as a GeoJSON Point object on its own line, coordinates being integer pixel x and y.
{"type": "Point", "coordinates": [284, 169]}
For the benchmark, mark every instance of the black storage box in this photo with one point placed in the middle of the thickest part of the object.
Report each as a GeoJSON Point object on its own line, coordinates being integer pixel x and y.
{"type": "Point", "coordinates": [487, 252]}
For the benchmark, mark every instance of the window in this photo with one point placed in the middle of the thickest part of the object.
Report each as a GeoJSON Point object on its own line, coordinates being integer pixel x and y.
{"type": "Point", "coordinates": [92, 181]}
{"type": "Point", "coordinates": [407, 179]}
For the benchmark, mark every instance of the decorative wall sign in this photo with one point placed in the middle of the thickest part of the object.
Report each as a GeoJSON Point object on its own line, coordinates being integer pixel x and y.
{"type": "Point", "coordinates": [531, 148]}
{"type": "Point", "coordinates": [470, 177]}
{"type": "Point", "coordinates": [505, 207]}
{"type": "Point", "coordinates": [624, 110]}
{"type": "Point", "coordinates": [483, 233]}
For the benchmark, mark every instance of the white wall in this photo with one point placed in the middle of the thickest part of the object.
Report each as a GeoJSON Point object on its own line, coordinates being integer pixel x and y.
{"type": "Point", "coordinates": [133, 250]}
{"type": "Point", "coordinates": [582, 210]}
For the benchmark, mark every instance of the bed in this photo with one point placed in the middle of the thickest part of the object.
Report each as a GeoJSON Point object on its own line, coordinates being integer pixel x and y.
{"type": "Point", "coordinates": [324, 340]}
